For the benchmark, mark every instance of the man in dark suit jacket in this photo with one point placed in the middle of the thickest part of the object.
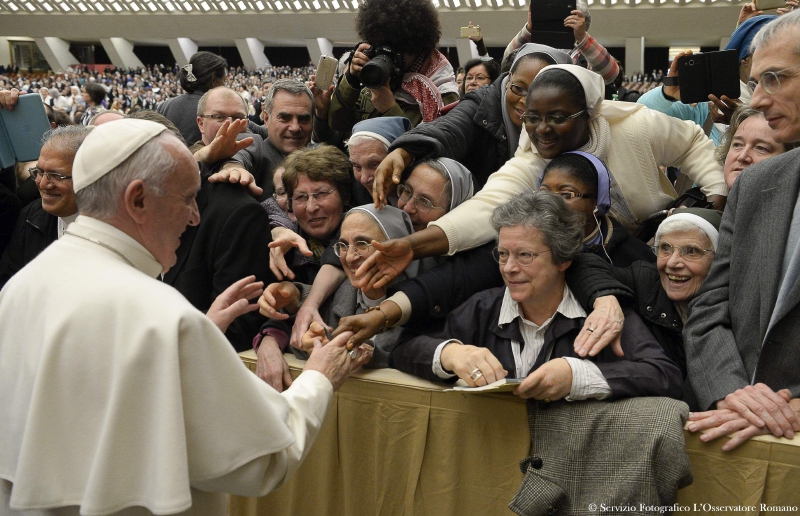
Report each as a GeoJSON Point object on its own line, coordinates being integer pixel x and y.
{"type": "Point", "coordinates": [230, 243]}
{"type": "Point", "coordinates": [743, 335]}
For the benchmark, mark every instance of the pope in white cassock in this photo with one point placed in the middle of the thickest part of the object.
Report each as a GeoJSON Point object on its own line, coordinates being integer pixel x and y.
{"type": "Point", "coordinates": [117, 396]}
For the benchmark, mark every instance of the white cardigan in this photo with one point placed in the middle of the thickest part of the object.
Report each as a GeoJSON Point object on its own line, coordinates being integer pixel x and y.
{"type": "Point", "coordinates": [632, 140]}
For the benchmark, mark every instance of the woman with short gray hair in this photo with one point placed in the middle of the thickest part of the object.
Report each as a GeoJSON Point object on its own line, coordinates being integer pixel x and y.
{"type": "Point", "coordinates": [526, 330]}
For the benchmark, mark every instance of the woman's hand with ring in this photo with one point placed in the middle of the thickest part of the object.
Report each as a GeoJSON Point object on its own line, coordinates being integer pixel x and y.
{"type": "Point", "coordinates": [476, 366]}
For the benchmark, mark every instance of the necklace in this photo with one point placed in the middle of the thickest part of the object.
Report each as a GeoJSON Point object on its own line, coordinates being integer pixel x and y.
{"type": "Point", "coordinates": [68, 232]}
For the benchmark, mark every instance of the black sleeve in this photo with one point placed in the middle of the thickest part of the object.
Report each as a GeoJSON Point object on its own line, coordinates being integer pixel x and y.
{"type": "Point", "coordinates": [435, 293]}
{"type": "Point", "coordinates": [13, 258]}
{"type": "Point", "coordinates": [590, 277]}
{"type": "Point", "coordinates": [241, 250]}
{"type": "Point", "coordinates": [10, 206]}
{"type": "Point", "coordinates": [449, 136]}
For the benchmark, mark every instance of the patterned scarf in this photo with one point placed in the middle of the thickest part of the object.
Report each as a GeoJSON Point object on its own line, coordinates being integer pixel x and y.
{"type": "Point", "coordinates": [424, 84]}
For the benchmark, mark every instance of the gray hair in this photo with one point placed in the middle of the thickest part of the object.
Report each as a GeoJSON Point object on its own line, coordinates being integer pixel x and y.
{"type": "Point", "coordinates": [292, 86]}
{"type": "Point", "coordinates": [201, 105]}
{"type": "Point", "coordinates": [151, 163]}
{"type": "Point", "coordinates": [769, 31]}
{"type": "Point", "coordinates": [362, 138]}
{"type": "Point", "coordinates": [66, 139]}
{"type": "Point", "coordinates": [561, 227]}
{"type": "Point", "coordinates": [437, 165]}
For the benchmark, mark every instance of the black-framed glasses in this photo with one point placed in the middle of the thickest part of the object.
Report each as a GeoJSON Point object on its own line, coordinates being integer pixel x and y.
{"type": "Point", "coordinates": [770, 81]}
{"type": "Point", "coordinates": [551, 120]}
{"type": "Point", "coordinates": [523, 258]}
{"type": "Point", "coordinates": [222, 118]}
{"type": "Point", "coordinates": [302, 198]}
{"type": "Point", "coordinates": [360, 248]}
{"type": "Point", "coordinates": [37, 172]}
{"type": "Point", "coordinates": [423, 204]}
{"type": "Point", "coordinates": [687, 251]}
{"type": "Point", "coordinates": [517, 90]}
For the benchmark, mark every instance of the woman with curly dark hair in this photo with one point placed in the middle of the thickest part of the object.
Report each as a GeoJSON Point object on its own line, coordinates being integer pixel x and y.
{"type": "Point", "coordinates": [204, 72]}
{"type": "Point", "coordinates": [403, 34]}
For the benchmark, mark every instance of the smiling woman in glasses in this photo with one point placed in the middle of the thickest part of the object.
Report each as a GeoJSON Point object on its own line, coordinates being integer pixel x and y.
{"type": "Point", "coordinates": [527, 329]}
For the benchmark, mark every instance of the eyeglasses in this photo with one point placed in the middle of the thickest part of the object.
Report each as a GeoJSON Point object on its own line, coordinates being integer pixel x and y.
{"type": "Point", "coordinates": [37, 172]}
{"type": "Point", "coordinates": [423, 204]}
{"type": "Point", "coordinates": [360, 248]}
{"type": "Point", "coordinates": [469, 78]}
{"type": "Point", "coordinates": [567, 195]}
{"type": "Point", "coordinates": [302, 199]}
{"type": "Point", "coordinates": [523, 258]}
{"type": "Point", "coordinates": [688, 251]}
{"type": "Point", "coordinates": [551, 120]}
{"type": "Point", "coordinates": [519, 91]}
{"type": "Point", "coordinates": [222, 118]}
{"type": "Point", "coordinates": [770, 81]}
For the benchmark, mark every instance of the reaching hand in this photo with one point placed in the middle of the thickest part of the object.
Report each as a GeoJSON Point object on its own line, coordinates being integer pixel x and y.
{"type": "Point", "coordinates": [387, 175]}
{"type": "Point", "coordinates": [363, 326]}
{"type": "Point", "coordinates": [224, 145]}
{"type": "Point", "coordinates": [303, 320]}
{"type": "Point", "coordinates": [333, 359]}
{"type": "Point", "coordinates": [315, 332]}
{"type": "Point", "coordinates": [278, 296]}
{"type": "Point", "coordinates": [388, 262]}
{"type": "Point", "coordinates": [271, 366]}
{"type": "Point", "coordinates": [602, 327]}
{"type": "Point", "coordinates": [283, 240]}
{"type": "Point", "coordinates": [234, 301]}
{"type": "Point", "coordinates": [236, 174]}
{"type": "Point", "coordinates": [790, 5]}
{"type": "Point", "coordinates": [476, 39]}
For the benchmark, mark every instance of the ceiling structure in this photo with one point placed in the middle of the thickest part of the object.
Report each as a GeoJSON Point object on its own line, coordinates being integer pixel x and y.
{"type": "Point", "coordinates": [291, 22]}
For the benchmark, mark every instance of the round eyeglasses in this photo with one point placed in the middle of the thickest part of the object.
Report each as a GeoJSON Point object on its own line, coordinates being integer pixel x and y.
{"type": "Point", "coordinates": [360, 248]}
{"type": "Point", "coordinates": [688, 251]}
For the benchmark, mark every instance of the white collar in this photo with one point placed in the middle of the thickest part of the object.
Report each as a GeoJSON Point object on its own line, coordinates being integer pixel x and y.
{"type": "Point", "coordinates": [569, 308]}
{"type": "Point", "coordinates": [136, 254]}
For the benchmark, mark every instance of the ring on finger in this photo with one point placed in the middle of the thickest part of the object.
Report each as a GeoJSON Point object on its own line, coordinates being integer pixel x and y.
{"type": "Point", "coordinates": [590, 330]}
{"type": "Point", "coordinates": [475, 374]}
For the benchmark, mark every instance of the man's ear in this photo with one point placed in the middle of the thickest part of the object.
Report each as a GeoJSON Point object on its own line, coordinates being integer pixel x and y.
{"type": "Point", "coordinates": [134, 200]}
{"type": "Point", "coordinates": [264, 115]}
{"type": "Point", "coordinates": [200, 123]}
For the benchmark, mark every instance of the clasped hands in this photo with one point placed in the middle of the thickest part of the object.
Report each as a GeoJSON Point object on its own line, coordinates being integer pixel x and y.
{"type": "Point", "coordinates": [748, 412]}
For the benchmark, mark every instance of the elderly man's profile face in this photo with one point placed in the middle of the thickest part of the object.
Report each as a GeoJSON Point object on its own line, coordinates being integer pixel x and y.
{"type": "Point", "coordinates": [289, 123]}
{"type": "Point", "coordinates": [58, 198]}
{"type": "Point", "coordinates": [782, 107]}
{"type": "Point", "coordinates": [365, 157]}
{"type": "Point", "coordinates": [170, 212]}
{"type": "Point", "coordinates": [221, 105]}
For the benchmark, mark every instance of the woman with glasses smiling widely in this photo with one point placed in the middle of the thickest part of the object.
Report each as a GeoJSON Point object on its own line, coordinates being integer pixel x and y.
{"type": "Point", "coordinates": [527, 329]}
{"type": "Point", "coordinates": [685, 245]}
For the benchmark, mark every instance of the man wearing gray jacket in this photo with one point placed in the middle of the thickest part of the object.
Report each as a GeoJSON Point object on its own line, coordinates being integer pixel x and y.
{"type": "Point", "coordinates": [743, 335]}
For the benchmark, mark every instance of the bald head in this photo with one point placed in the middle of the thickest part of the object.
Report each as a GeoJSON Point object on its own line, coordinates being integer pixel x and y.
{"type": "Point", "coordinates": [216, 106]}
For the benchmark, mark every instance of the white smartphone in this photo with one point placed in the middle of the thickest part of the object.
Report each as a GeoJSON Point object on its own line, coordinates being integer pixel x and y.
{"type": "Point", "coordinates": [326, 69]}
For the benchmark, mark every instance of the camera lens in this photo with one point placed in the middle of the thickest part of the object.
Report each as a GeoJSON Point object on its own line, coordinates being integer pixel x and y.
{"type": "Point", "coordinates": [377, 71]}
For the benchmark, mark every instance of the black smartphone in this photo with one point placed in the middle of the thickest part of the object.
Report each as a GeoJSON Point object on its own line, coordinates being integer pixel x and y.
{"type": "Point", "coordinates": [547, 23]}
{"type": "Point", "coordinates": [709, 73]}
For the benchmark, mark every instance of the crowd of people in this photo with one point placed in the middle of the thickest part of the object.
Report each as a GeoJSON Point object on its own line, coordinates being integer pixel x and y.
{"type": "Point", "coordinates": [519, 222]}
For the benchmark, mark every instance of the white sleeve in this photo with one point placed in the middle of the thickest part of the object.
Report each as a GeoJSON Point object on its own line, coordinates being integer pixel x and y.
{"type": "Point", "coordinates": [587, 381]}
{"type": "Point", "coordinates": [469, 225]}
{"type": "Point", "coordinates": [438, 370]}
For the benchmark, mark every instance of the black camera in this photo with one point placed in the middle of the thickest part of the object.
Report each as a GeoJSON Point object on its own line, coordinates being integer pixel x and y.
{"type": "Point", "coordinates": [384, 63]}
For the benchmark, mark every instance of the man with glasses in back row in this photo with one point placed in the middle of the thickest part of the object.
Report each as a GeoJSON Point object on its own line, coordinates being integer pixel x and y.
{"type": "Point", "coordinates": [742, 338]}
{"type": "Point", "coordinates": [43, 222]}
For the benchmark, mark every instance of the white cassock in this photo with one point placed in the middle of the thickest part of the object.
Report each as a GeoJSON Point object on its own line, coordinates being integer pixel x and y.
{"type": "Point", "coordinates": [117, 394]}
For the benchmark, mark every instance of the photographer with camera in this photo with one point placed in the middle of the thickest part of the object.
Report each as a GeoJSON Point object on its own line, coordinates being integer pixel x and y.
{"type": "Point", "coordinates": [390, 72]}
